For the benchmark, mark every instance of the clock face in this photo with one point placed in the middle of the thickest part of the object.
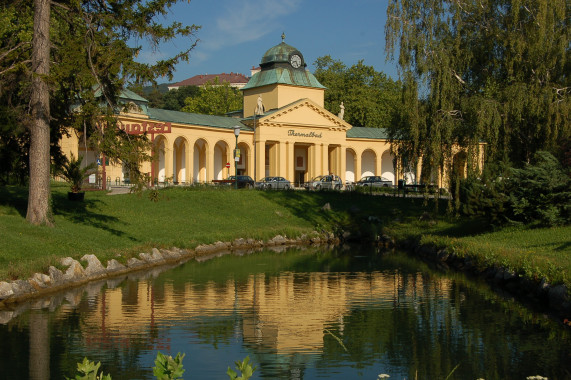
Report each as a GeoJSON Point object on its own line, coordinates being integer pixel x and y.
{"type": "Point", "coordinates": [295, 61]}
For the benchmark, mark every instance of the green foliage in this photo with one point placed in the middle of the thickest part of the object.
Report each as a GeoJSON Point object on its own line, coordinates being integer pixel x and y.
{"type": "Point", "coordinates": [538, 193]}
{"type": "Point", "coordinates": [214, 98]}
{"type": "Point", "coordinates": [486, 197]}
{"type": "Point", "coordinates": [88, 371]}
{"type": "Point", "coordinates": [175, 99]}
{"type": "Point", "coordinates": [245, 368]}
{"type": "Point", "coordinates": [90, 63]}
{"type": "Point", "coordinates": [74, 173]}
{"type": "Point", "coordinates": [371, 99]}
{"type": "Point", "coordinates": [167, 368]}
{"type": "Point", "coordinates": [161, 97]}
{"type": "Point", "coordinates": [493, 71]}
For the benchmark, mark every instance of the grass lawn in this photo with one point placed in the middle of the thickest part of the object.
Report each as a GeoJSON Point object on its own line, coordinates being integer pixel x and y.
{"type": "Point", "coordinates": [125, 225]}
{"type": "Point", "coordinates": [538, 252]}
{"type": "Point", "coordinates": [121, 226]}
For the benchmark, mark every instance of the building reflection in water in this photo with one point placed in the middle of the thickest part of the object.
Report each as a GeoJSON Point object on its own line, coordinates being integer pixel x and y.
{"type": "Point", "coordinates": [287, 313]}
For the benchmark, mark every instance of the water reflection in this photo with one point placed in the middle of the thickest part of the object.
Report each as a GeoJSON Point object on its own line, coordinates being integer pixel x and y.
{"type": "Point", "coordinates": [302, 314]}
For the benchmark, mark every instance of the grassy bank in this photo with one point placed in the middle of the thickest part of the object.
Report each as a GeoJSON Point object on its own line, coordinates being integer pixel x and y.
{"type": "Point", "coordinates": [537, 252]}
{"type": "Point", "coordinates": [121, 226]}
{"type": "Point", "coordinates": [125, 225]}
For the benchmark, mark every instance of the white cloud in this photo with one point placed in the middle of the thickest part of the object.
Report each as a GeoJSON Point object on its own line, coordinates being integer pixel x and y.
{"type": "Point", "coordinates": [249, 20]}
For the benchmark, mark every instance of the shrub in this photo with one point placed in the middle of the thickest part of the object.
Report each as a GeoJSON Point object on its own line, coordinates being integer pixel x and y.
{"type": "Point", "coordinates": [541, 192]}
{"type": "Point", "coordinates": [537, 193]}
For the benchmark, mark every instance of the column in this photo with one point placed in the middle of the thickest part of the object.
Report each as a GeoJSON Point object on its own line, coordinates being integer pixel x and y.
{"type": "Point", "coordinates": [418, 171]}
{"type": "Point", "coordinates": [357, 166]}
{"type": "Point", "coordinates": [325, 169]}
{"type": "Point", "coordinates": [169, 173]}
{"type": "Point", "coordinates": [311, 165]}
{"type": "Point", "coordinates": [378, 164]}
{"type": "Point", "coordinates": [290, 161]}
{"type": "Point", "coordinates": [342, 163]}
{"type": "Point", "coordinates": [189, 162]}
{"type": "Point", "coordinates": [209, 156]}
{"type": "Point", "coordinates": [282, 159]}
{"type": "Point", "coordinates": [229, 158]}
{"type": "Point", "coordinates": [260, 164]}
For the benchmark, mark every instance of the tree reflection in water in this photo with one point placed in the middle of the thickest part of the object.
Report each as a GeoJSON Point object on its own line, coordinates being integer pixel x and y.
{"type": "Point", "coordinates": [289, 312]}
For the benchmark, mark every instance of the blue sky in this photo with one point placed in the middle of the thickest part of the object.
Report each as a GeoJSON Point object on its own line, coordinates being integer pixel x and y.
{"type": "Point", "coordinates": [235, 34]}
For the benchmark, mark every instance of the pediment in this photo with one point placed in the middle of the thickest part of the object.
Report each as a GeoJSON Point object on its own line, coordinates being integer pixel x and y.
{"type": "Point", "coordinates": [304, 113]}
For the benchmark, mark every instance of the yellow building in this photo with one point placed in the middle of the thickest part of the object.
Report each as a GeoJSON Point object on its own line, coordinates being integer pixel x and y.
{"type": "Point", "coordinates": [284, 131]}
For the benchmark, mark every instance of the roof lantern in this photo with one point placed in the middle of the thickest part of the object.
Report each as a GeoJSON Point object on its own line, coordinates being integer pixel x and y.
{"type": "Point", "coordinates": [283, 64]}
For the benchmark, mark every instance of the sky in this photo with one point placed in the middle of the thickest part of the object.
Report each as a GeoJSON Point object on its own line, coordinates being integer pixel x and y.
{"type": "Point", "coordinates": [235, 34]}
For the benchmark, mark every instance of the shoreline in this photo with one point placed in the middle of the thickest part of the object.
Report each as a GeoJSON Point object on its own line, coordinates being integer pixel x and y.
{"type": "Point", "coordinates": [76, 275]}
{"type": "Point", "coordinates": [534, 294]}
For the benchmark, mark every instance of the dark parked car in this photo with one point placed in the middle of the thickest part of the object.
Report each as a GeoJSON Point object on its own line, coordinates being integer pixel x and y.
{"type": "Point", "coordinates": [244, 181]}
{"type": "Point", "coordinates": [273, 183]}
{"type": "Point", "coordinates": [374, 181]}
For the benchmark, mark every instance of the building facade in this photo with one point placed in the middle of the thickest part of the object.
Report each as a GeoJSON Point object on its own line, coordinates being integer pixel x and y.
{"type": "Point", "coordinates": [284, 131]}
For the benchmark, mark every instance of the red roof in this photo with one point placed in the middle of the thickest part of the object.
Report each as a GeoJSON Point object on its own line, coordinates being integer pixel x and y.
{"type": "Point", "coordinates": [200, 80]}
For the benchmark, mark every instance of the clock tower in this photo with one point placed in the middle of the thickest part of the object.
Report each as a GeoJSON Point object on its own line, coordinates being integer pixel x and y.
{"type": "Point", "coordinates": [283, 79]}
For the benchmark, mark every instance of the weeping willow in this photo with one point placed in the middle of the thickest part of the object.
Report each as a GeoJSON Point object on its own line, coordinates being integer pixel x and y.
{"type": "Point", "coordinates": [493, 71]}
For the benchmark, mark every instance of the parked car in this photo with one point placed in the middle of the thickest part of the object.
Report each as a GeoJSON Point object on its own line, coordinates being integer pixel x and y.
{"type": "Point", "coordinates": [244, 181]}
{"type": "Point", "coordinates": [324, 182]}
{"type": "Point", "coordinates": [374, 181]}
{"type": "Point", "coordinates": [273, 183]}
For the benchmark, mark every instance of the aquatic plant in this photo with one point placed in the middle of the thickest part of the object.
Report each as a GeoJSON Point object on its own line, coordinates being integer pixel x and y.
{"type": "Point", "coordinates": [245, 368]}
{"type": "Point", "coordinates": [167, 368]}
{"type": "Point", "coordinates": [88, 371]}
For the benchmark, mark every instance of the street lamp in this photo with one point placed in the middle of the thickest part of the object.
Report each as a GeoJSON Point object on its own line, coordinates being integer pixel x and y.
{"type": "Point", "coordinates": [236, 154]}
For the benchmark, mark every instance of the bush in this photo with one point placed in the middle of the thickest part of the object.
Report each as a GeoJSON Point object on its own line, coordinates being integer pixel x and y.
{"type": "Point", "coordinates": [541, 192]}
{"type": "Point", "coordinates": [537, 193]}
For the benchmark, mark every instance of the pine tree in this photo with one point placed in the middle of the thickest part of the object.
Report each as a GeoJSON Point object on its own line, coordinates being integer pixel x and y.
{"type": "Point", "coordinates": [80, 50]}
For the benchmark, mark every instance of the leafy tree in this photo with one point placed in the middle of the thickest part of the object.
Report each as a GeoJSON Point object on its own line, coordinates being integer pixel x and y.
{"type": "Point", "coordinates": [371, 99]}
{"type": "Point", "coordinates": [161, 97]}
{"type": "Point", "coordinates": [77, 54]}
{"type": "Point", "coordinates": [214, 98]}
{"type": "Point", "coordinates": [175, 99]}
{"type": "Point", "coordinates": [494, 71]}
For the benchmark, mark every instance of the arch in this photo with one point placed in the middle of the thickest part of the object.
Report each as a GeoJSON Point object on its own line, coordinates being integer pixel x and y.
{"type": "Point", "coordinates": [160, 151]}
{"type": "Point", "coordinates": [199, 159]}
{"type": "Point", "coordinates": [244, 162]}
{"type": "Point", "coordinates": [221, 157]}
{"type": "Point", "coordinates": [350, 157]}
{"type": "Point", "coordinates": [180, 151]}
{"type": "Point", "coordinates": [388, 166]}
{"type": "Point", "coordinates": [368, 163]}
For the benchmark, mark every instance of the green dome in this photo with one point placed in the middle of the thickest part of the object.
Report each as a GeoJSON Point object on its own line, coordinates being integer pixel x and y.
{"type": "Point", "coordinates": [279, 53]}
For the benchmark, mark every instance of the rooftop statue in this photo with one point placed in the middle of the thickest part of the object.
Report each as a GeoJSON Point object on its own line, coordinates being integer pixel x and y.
{"type": "Point", "coordinates": [341, 111]}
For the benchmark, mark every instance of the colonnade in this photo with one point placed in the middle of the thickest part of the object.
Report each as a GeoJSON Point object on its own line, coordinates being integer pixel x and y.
{"type": "Point", "coordinates": [180, 159]}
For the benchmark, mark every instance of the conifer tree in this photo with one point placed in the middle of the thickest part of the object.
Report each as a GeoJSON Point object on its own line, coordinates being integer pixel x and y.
{"type": "Point", "coordinates": [80, 55]}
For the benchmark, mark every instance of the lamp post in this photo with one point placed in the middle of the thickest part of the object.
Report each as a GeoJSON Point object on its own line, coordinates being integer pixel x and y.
{"type": "Point", "coordinates": [236, 154]}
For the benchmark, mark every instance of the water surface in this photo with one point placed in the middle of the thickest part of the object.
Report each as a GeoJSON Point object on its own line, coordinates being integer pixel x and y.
{"type": "Point", "coordinates": [300, 314]}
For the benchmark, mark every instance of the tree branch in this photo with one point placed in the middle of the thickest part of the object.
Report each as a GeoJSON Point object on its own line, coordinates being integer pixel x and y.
{"type": "Point", "coordinates": [6, 53]}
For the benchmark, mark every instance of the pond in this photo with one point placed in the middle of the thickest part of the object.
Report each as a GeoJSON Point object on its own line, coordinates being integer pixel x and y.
{"type": "Point", "coordinates": [304, 313]}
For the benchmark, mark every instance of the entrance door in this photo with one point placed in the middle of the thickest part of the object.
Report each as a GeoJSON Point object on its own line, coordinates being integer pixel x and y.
{"type": "Point", "coordinates": [300, 164]}
{"type": "Point", "coordinates": [299, 178]}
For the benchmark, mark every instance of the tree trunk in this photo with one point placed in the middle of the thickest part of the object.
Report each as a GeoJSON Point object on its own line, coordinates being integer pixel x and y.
{"type": "Point", "coordinates": [39, 212]}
